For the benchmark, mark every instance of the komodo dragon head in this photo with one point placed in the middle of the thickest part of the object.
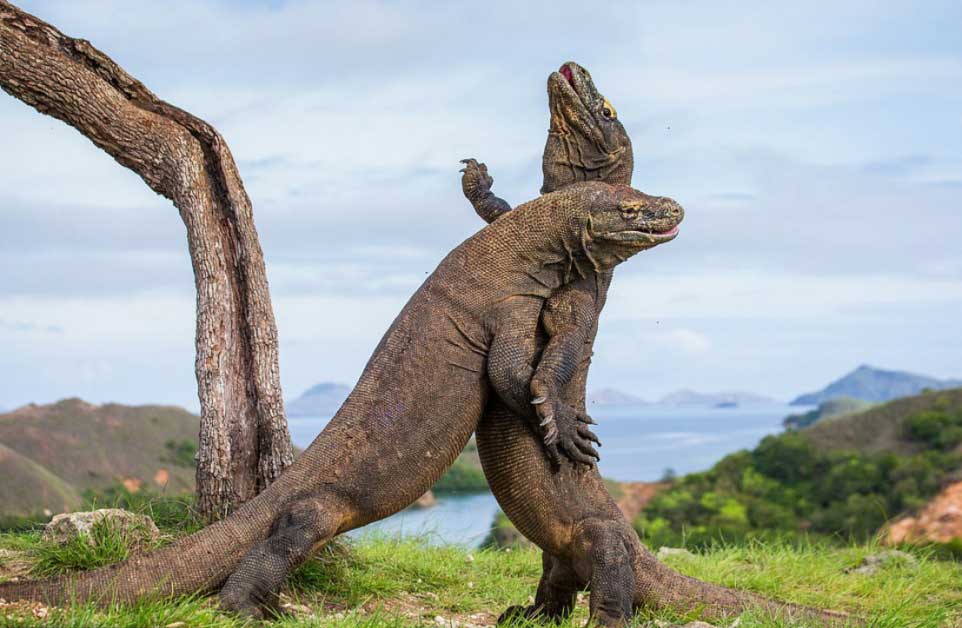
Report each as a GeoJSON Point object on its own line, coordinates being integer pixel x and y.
{"type": "Point", "coordinates": [598, 224]}
{"type": "Point", "coordinates": [586, 141]}
{"type": "Point", "coordinates": [628, 221]}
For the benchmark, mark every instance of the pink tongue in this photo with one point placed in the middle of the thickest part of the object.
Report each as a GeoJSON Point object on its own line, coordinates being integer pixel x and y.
{"type": "Point", "coordinates": [566, 72]}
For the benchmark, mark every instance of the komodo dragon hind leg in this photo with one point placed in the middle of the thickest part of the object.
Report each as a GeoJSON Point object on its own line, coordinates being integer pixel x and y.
{"type": "Point", "coordinates": [253, 588]}
{"type": "Point", "coordinates": [556, 596]}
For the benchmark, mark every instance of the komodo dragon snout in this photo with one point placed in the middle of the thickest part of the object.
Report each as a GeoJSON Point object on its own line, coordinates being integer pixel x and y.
{"type": "Point", "coordinates": [633, 222]}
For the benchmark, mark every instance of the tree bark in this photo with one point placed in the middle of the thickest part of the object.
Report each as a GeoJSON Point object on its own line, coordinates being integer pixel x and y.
{"type": "Point", "coordinates": [244, 442]}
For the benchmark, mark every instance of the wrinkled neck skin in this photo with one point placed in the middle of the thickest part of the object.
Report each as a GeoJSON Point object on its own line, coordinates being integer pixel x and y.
{"type": "Point", "coordinates": [567, 160]}
{"type": "Point", "coordinates": [551, 245]}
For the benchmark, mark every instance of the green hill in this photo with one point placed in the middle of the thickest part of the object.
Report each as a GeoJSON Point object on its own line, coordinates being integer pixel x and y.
{"type": "Point", "coordinates": [54, 453]}
{"type": "Point", "coordinates": [883, 428]}
{"type": "Point", "coordinates": [826, 409]}
{"type": "Point", "coordinates": [876, 385]}
{"type": "Point", "coordinates": [62, 449]}
{"type": "Point", "coordinates": [842, 478]}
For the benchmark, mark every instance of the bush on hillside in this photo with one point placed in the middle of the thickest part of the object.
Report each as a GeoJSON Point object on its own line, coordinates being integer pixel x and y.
{"type": "Point", "coordinates": [462, 478]}
{"type": "Point", "coordinates": [788, 488]}
{"type": "Point", "coordinates": [937, 428]}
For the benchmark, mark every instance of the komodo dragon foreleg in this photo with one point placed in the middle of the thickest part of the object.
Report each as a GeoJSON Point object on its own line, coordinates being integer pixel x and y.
{"type": "Point", "coordinates": [569, 317]}
{"type": "Point", "coordinates": [476, 185]}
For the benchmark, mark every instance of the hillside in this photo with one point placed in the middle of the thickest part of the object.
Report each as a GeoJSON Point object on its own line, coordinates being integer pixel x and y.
{"type": "Point", "coordinates": [842, 478]}
{"type": "Point", "coordinates": [72, 445]}
{"type": "Point", "coordinates": [324, 399]}
{"type": "Point", "coordinates": [826, 409]}
{"type": "Point", "coordinates": [881, 428]}
{"type": "Point", "coordinates": [52, 453]}
{"type": "Point", "coordinates": [29, 489]}
{"type": "Point", "coordinates": [877, 385]}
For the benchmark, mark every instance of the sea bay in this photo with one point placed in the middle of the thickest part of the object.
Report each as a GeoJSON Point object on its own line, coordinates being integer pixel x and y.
{"type": "Point", "coordinates": [640, 442]}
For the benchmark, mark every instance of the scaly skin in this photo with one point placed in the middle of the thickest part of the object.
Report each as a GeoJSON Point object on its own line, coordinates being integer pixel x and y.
{"type": "Point", "coordinates": [560, 505]}
{"type": "Point", "coordinates": [468, 328]}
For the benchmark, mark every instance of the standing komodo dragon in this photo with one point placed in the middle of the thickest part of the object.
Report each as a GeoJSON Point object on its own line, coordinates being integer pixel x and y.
{"type": "Point", "coordinates": [564, 507]}
{"type": "Point", "coordinates": [417, 402]}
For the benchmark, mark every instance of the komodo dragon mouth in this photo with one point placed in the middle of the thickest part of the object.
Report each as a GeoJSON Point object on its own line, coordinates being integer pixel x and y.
{"type": "Point", "coordinates": [586, 141]}
{"type": "Point", "coordinates": [640, 220]}
{"type": "Point", "coordinates": [574, 85]}
{"type": "Point", "coordinates": [659, 236]}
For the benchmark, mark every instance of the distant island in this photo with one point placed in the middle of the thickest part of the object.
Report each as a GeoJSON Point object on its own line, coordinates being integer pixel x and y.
{"type": "Point", "coordinates": [875, 385]}
{"type": "Point", "coordinates": [684, 397]}
{"type": "Point", "coordinates": [723, 399]}
{"type": "Point", "coordinates": [866, 383]}
{"type": "Point", "coordinates": [324, 399]}
{"type": "Point", "coordinates": [614, 397]}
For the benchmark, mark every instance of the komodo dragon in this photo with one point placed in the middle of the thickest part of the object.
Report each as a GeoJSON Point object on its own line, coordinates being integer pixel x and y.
{"type": "Point", "coordinates": [413, 409]}
{"type": "Point", "coordinates": [564, 507]}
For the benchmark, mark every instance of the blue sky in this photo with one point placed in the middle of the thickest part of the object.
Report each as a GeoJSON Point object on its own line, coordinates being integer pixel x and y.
{"type": "Point", "coordinates": [816, 148]}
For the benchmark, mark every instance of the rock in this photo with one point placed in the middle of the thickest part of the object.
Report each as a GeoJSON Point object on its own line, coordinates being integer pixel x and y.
{"type": "Point", "coordinates": [66, 527]}
{"type": "Point", "coordinates": [478, 620]}
{"type": "Point", "coordinates": [667, 552]}
{"type": "Point", "coordinates": [883, 560]}
{"type": "Point", "coordinates": [636, 495]}
{"type": "Point", "coordinates": [939, 521]}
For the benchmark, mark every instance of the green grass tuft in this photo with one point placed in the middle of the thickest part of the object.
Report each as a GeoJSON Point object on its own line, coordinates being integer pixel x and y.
{"type": "Point", "coordinates": [107, 545]}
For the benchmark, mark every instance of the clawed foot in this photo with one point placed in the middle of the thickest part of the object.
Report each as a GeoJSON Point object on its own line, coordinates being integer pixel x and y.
{"type": "Point", "coordinates": [243, 608]}
{"type": "Point", "coordinates": [475, 182]}
{"type": "Point", "coordinates": [566, 431]}
{"type": "Point", "coordinates": [244, 603]}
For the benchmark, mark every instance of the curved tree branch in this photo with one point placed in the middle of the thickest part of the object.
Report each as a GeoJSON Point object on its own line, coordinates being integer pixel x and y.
{"type": "Point", "coordinates": [244, 442]}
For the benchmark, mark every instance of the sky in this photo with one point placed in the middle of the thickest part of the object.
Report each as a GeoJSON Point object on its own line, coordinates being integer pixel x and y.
{"type": "Point", "coordinates": [817, 150]}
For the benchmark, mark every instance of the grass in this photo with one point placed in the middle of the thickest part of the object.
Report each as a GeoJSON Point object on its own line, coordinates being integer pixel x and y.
{"type": "Point", "coordinates": [386, 582]}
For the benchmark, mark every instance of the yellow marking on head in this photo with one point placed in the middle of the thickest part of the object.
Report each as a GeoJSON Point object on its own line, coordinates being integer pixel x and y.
{"type": "Point", "coordinates": [607, 105]}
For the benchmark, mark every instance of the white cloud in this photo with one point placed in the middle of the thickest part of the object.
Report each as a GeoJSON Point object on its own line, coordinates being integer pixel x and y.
{"type": "Point", "coordinates": [732, 294]}
{"type": "Point", "coordinates": [688, 340]}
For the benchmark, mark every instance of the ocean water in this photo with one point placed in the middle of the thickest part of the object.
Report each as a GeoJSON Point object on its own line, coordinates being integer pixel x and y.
{"type": "Point", "coordinates": [639, 443]}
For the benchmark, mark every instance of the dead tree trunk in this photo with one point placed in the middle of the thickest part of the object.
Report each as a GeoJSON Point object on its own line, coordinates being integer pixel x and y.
{"type": "Point", "coordinates": [244, 442]}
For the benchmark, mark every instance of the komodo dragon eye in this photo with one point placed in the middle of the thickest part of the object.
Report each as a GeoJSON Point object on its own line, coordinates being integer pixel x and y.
{"type": "Point", "coordinates": [608, 111]}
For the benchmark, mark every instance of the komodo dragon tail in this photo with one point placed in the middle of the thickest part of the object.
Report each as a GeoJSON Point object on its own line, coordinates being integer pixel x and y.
{"type": "Point", "coordinates": [659, 586]}
{"type": "Point", "coordinates": [198, 563]}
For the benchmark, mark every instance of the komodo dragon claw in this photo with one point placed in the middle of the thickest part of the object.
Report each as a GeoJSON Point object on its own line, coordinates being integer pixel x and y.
{"type": "Point", "coordinates": [566, 427]}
